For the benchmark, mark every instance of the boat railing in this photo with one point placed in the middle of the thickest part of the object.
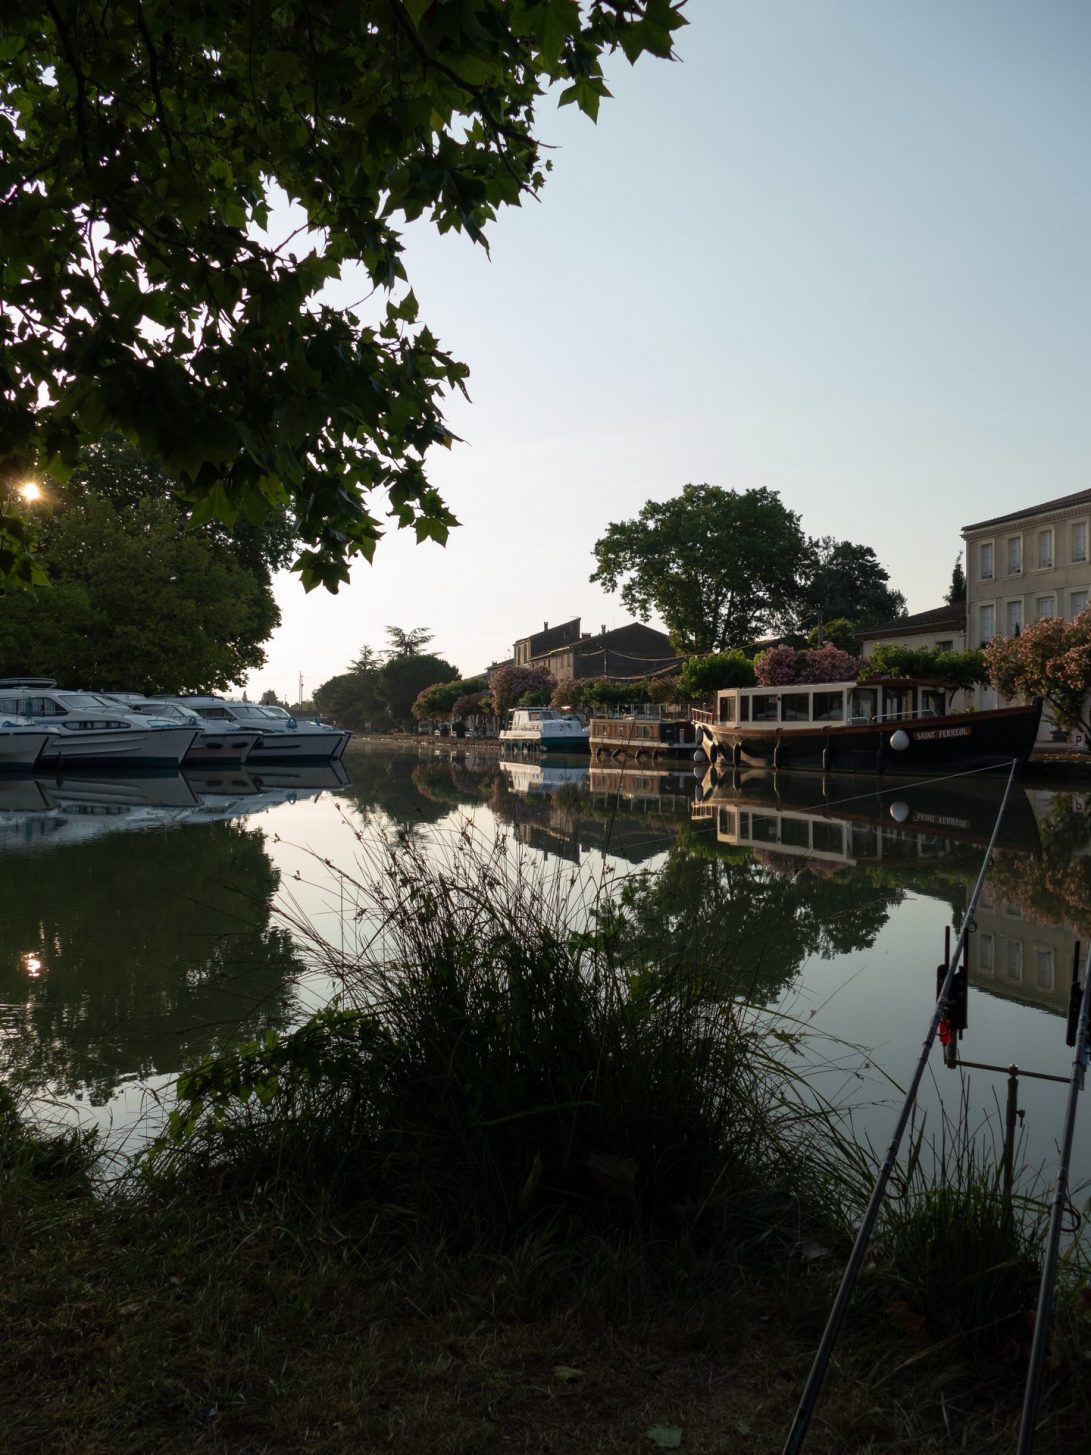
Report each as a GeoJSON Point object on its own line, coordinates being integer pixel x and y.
{"type": "Point", "coordinates": [698, 714]}
{"type": "Point", "coordinates": [909, 716]}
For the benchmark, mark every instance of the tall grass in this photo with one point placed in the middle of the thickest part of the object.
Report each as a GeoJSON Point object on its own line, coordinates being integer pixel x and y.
{"type": "Point", "coordinates": [496, 1058]}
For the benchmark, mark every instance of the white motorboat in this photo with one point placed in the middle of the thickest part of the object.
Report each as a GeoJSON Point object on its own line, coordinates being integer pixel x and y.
{"type": "Point", "coordinates": [546, 728]}
{"type": "Point", "coordinates": [283, 739]}
{"type": "Point", "coordinates": [85, 729]}
{"type": "Point", "coordinates": [216, 744]}
{"type": "Point", "coordinates": [286, 722]}
{"type": "Point", "coordinates": [21, 743]}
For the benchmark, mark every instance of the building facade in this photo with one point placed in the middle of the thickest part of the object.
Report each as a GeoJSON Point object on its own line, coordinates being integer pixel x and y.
{"type": "Point", "coordinates": [942, 628]}
{"type": "Point", "coordinates": [570, 655]}
{"type": "Point", "coordinates": [1024, 566]}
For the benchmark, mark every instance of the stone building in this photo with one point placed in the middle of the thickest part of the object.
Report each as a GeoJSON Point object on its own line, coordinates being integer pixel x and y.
{"type": "Point", "coordinates": [944, 628]}
{"type": "Point", "coordinates": [570, 655]}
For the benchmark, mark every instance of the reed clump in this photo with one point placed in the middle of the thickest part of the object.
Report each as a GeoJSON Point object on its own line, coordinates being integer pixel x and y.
{"type": "Point", "coordinates": [497, 1058]}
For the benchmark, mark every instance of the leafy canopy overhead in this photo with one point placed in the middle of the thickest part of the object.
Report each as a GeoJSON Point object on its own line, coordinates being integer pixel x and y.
{"type": "Point", "coordinates": [142, 149]}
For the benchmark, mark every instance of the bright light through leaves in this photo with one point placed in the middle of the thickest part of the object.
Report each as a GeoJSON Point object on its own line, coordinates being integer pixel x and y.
{"type": "Point", "coordinates": [31, 490]}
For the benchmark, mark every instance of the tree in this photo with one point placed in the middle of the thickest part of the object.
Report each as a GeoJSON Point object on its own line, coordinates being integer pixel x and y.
{"type": "Point", "coordinates": [269, 699]}
{"type": "Point", "coordinates": [719, 567]}
{"type": "Point", "coordinates": [441, 699]}
{"type": "Point", "coordinates": [399, 681]}
{"type": "Point", "coordinates": [784, 666]}
{"type": "Point", "coordinates": [139, 601]}
{"type": "Point", "coordinates": [142, 149]}
{"type": "Point", "coordinates": [1051, 659]}
{"type": "Point", "coordinates": [840, 632]}
{"type": "Point", "coordinates": [509, 684]}
{"type": "Point", "coordinates": [407, 643]}
{"type": "Point", "coordinates": [956, 592]}
{"type": "Point", "coordinates": [844, 580]}
{"type": "Point", "coordinates": [960, 669]}
{"type": "Point", "coordinates": [704, 676]}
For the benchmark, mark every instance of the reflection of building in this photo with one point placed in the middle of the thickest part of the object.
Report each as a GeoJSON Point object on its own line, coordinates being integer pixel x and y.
{"type": "Point", "coordinates": [570, 655]}
{"type": "Point", "coordinates": [1019, 960]}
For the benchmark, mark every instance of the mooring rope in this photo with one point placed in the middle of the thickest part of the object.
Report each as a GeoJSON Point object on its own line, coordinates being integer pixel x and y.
{"type": "Point", "coordinates": [815, 1378]}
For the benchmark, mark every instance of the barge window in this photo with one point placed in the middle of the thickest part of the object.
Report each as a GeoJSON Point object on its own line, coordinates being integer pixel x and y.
{"type": "Point", "coordinates": [795, 707]}
{"type": "Point", "coordinates": [865, 703]}
{"type": "Point", "coordinates": [765, 830]}
{"type": "Point", "coordinates": [727, 821]}
{"type": "Point", "coordinates": [795, 833]}
{"type": "Point", "coordinates": [828, 706]}
{"type": "Point", "coordinates": [744, 709]}
{"type": "Point", "coordinates": [727, 708]}
{"type": "Point", "coordinates": [765, 707]}
{"type": "Point", "coordinates": [932, 701]}
{"type": "Point", "coordinates": [897, 702]}
{"type": "Point", "coordinates": [829, 838]}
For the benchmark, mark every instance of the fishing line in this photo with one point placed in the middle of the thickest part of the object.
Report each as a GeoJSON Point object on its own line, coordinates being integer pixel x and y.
{"type": "Point", "coordinates": [819, 1367]}
{"type": "Point", "coordinates": [1032, 1392]}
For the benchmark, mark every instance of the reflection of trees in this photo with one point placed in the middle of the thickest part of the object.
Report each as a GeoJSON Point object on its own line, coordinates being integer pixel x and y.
{"type": "Point", "coordinates": [744, 923]}
{"type": "Point", "coordinates": [129, 954]}
{"type": "Point", "coordinates": [1055, 888]}
{"type": "Point", "coordinates": [384, 783]}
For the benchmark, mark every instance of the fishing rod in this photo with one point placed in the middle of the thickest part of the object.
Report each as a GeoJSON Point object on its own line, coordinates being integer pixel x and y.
{"type": "Point", "coordinates": [1079, 1010]}
{"type": "Point", "coordinates": [815, 1378]}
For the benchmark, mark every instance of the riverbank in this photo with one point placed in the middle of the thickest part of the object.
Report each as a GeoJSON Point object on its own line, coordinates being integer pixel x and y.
{"type": "Point", "coordinates": [544, 1190]}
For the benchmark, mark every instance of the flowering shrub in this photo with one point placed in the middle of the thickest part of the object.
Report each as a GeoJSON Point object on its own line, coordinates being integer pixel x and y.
{"type": "Point", "coordinates": [510, 684]}
{"type": "Point", "coordinates": [1050, 659]}
{"type": "Point", "coordinates": [785, 666]}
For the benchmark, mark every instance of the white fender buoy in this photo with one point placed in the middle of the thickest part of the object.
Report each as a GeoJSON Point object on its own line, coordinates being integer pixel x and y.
{"type": "Point", "coordinates": [899, 811]}
{"type": "Point", "coordinates": [899, 740]}
{"type": "Point", "coordinates": [700, 756]}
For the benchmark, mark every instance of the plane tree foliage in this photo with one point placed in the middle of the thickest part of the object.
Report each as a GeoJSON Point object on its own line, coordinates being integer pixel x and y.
{"type": "Point", "coordinates": [845, 581]}
{"type": "Point", "coordinates": [719, 567]}
{"type": "Point", "coordinates": [960, 669]}
{"type": "Point", "coordinates": [140, 600]}
{"type": "Point", "coordinates": [723, 568]}
{"type": "Point", "coordinates": [150, 285]}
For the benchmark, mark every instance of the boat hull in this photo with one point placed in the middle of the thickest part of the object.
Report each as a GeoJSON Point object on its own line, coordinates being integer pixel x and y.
{"type": "Point", "coordinates": [20, 748]}
{"type": "Point", "coordinates": [958, 742]}
{"type": "Point", "coordinates": [129, 749]}
{"type": "Point", "coordinates": [230, 750]}
{"type": "Point", "coordinates": [296, 747]}
{"type": "Point", "coordinates": [547, 742]}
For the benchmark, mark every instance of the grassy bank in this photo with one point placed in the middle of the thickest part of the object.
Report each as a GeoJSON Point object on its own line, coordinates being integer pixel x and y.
{"type": "Point", "coordinates": [520, 1190]}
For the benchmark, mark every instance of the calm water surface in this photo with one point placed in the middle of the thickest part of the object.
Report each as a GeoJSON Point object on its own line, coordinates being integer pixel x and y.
{"type": "Point", "coordinates": [146, 922]}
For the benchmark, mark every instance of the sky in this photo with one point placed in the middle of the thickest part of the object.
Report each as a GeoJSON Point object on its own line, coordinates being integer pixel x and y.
{"type": "Point", "coordinates": [838, 249]}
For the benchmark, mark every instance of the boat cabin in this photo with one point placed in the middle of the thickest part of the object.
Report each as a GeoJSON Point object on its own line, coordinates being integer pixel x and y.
{"type": "Point", "coordinates": [831, 704]}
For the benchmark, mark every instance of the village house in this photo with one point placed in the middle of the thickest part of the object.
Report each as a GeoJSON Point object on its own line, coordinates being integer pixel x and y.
{"type": "Point", "coordinates": [942, 628]}
{"type": "Point", "coordinates": [1020, 567]}
{"type": "Point", "coordinates": [572, 655]}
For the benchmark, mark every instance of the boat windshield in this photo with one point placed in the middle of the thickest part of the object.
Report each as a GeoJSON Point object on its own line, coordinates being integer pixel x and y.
{"type": "Point", "coordinates": [86, 702]}
{"type": "Point", "coordinates": [277, 713]}
{"type": "Point", "coordinates": [248, 710]}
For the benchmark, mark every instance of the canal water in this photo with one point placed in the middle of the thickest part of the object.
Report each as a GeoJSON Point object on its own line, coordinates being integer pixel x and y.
{"type": "Point", "coordinates": [146, 922]}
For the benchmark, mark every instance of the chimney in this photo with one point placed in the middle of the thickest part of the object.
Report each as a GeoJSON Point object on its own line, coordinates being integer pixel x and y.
{"type": "Point", "coordinates": [603, 628]}
{"type": "Point", "coordinates": [545, 626]}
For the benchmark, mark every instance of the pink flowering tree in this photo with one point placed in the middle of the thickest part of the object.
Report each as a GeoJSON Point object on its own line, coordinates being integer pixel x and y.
{"type": "Point", "coordinates": [510, 684]}
{"type": "Point", "coordinates": [1050, 659]}
{"type": "Point", "coordinates": [786, 667]}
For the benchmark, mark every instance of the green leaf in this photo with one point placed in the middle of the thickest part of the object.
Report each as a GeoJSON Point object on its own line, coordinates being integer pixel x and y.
{"type": "Point", "coordinates": [667, 1437]}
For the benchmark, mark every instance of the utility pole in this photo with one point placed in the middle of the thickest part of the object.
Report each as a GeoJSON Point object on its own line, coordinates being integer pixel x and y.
{"type": "Point", "coordinates": [300, 703]}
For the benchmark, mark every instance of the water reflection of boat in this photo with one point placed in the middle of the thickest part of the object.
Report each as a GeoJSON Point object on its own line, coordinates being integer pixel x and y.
{"type": "Point", "coordinates": [862, 819]}
{"type": "Point", "coordinates": [665, 790]}
{"type": "Point", "coordinates": [534, 777]}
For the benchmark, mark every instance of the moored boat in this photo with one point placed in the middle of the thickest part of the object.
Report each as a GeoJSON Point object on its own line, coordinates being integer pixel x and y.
{"type": "Point", "coordinates": [283, 739]}
{"type": "Point", "coordinates": [641, 734]}
{"type": "Point", "coordinates": [547, 729]}
{"type": "Point", "coordinates": [893, 724]}
{"type": "Point", "coordinates": [216, 744]}
{"type": "Point", "coordinates": [21, 743]}
{"type": "Point", "coordinates": [85, 729]}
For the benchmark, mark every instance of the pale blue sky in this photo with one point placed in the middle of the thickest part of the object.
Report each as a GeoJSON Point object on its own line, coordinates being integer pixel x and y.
{"type": "Point", "coordinates": [839, 250]}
